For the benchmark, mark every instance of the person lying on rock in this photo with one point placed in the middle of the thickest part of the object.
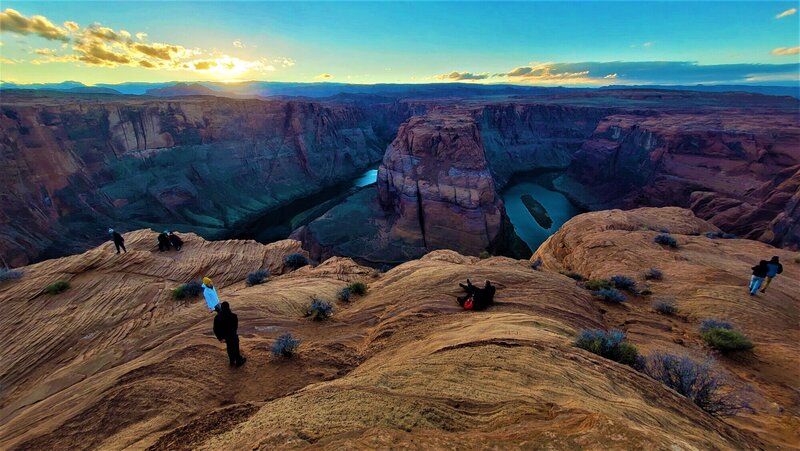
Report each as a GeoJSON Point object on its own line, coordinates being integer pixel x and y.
{"type": "Point", "coordinates": [476, 298]}
{"type": "Point", "coordinates": [760, 271]}
{"type": "Point", "coordinates": [119, 241]}
{"type": "Point", "coordinates": [774, 268]}
{"type": "Point", "coordinates": [176, 241]}
{"type": "Point", "coordinates": [163, 241]}
{"type": "Point", "coordinates": [210, 293]}
{"type": "Point", "coordinates": [226, 324]}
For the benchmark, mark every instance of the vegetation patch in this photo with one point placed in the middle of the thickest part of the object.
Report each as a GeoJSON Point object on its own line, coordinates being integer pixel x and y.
{"type": "Point", "coordinates": [609, 344]}
{"type": "Point", "coordinates": [610, 295]}
{"type": "Point", "coordinates": [727, 340]}
{"type": "Point", "coordinates": [624, 283]}
{"type": "Point", "coordinates": [598, 284]}
{"type": "Point", "coordinates": [57, 287]}
{"type": "Point", "coordinates": [653, 274]}
{"type": "Point", "coordinates": [285, 346]}
{"type": "Point", "coordinates": [295, 261]}
{"type": "Point", "coordinates": [344, 295]}
{"type": "Point", "coordinates": [7, 274]}
{"type": "Point", "coordinates": [358, 288]}
{"type": "Point", "coordinates": [666, 239]}
{"type": "Point", "coordinates": [484, 255]}
{"type": "Point", "coordinates": [188, 290]}
{"type": "Point", "coordinates": [573, 275]}
{"type": "Point", "coordinates": [665, 306]}
{"type": "Point", "coordinates": [319, 310]}
{"type": "Point", "coordinates": [257, 277]}
{"type": "Point", "coordinates": [537, 264]}
{"type": "Point", "coordinates": [695, 380]}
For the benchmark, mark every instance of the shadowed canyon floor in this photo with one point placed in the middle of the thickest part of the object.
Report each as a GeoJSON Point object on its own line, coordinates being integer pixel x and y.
{"type": "Point", "coordinates": [114, 362]}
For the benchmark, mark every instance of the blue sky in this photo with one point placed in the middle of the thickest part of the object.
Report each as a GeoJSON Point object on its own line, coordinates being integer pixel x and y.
{"type": "Point", "coordinates": [546, 43]}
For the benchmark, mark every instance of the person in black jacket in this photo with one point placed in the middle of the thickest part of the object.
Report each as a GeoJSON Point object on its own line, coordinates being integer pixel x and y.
{"type": "Point", "coordinates": [163, 242]}
{"type": "Point", "coordinates": [759, 273]}
{"type": "Point", "coordinates": [226, 324]}
{"type": "Point", "coordinates": [477, 298]}
{"type": "Point", "coordinates": [119, 241]}
{"type": "Point", "coordinates": [176, 241]}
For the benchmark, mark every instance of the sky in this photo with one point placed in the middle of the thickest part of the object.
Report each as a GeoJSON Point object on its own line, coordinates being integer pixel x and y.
{"type": "Point", "coordinates": [544, 43]}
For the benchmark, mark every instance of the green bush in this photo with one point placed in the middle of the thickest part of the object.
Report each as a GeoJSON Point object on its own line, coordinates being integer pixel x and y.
{"type": "Point", "coordinates": [319, 310]}
{"type": "Point", "coordinates": [727, 340]}
{"type": "Point", "coordinates": [573, 275]}
{"type": "Point", "coordinates": [609, 344]}
{"type": "Point", "coordinates": [484, 254]}
{"type": "Point", "coordinates": [358, 288]}
{"type": "Point", "coordinates": [599, 284]}
{"type": "Point", "coordinates": [56, 287]}
{"type": "Point", "coordinates": [188, 290]}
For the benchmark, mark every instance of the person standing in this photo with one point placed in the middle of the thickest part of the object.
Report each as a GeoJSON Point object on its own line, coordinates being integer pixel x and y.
{"type": "Point", "coordinates": [176, 241]}
{"type": "Point", "coordinates": [759, 273]}
{"type": "Point", "coordinates": [119, 241]}
{"type": "Point", "coordinates": [163, 241]}
{"type": "Point", "coordinates": [774, 268]}
{"type": "Point", "coordinates": [210, 293]}
{"type": "Point", "coordinates": [226, 325]}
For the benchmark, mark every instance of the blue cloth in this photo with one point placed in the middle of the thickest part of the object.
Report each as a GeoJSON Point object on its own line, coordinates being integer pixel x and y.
{"type": "Point", "coordinates": [755, 284]}
{"type": "Point", "coordinates": [773, 269]}
{"type": "Point", "coordinates": [210, 293]}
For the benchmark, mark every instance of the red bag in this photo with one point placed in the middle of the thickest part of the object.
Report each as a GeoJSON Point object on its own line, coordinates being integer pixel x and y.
{"type": "Point", "coordinates": [468, 304]}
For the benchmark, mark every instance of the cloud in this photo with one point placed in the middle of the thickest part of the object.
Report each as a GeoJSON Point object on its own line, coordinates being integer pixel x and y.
{"type": "Point", "coordinates": [14, 22]}
{"type": "Point", "coordinates": [325, 76]}
{"type": "Point", "coordinates": [6, 61]}
{"type": "Point", "coordinates": [97, 45]}
{"type": "Point", "coordinates": [644, 73]}
{"type": "Point", "coordinates": [238, 44]}
{"type": "Point", "coordinates": [458, 76]}
{"type": "Point", "coordinates": [788, 12]}
{"type": "Point", "coordinates": [786, 51]}
{"type": "Point", "coordinates": [647, 44]}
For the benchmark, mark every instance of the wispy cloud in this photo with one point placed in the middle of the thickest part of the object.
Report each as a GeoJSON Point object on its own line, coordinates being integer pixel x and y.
{"type": "Point", "coordinates": [788, 12]}
{"type": "Point", "coordinates": [238, 44]}
{"type": "Point", "coordinates": [785, 51]}
{"type": "Point", "coordinates": [325, 76]}
{"type": "Point", "coordinates": [13, 22]}
{"type": "Point", "coordinates": [640, 72]}
{"type": "Point", "coordinates": [461, 76]}
{"type": "Point", "coordinates": [647, 44]}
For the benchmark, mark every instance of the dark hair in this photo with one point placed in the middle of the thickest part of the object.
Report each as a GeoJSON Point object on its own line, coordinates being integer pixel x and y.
{"type": "Point", "coordinates": [225, 307]}
{"type": "Point", "coordinates": [774, 259]}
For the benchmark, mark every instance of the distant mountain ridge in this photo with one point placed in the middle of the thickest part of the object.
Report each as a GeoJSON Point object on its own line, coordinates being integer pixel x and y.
{"type": "Point", "coordinates": [261, 89]}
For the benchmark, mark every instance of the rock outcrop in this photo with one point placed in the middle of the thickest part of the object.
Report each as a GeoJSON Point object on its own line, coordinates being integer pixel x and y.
{"type": "Point", "coordinates": [74, 165]}
{"type": "Point", "coordinates": [114, 362]}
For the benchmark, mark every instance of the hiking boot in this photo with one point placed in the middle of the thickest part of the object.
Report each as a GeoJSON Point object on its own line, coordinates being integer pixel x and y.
{"type": "Point", "coordinates": [241, 362]}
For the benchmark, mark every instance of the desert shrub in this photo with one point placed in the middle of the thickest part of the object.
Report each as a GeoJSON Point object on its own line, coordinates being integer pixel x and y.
{"type": "Point", "coordinates": [8, 274]}
{"type": "Point", "coordinates": [295, 261]}
{"type": "Point", "coordinates": [573, 275]}
{"type": "Point", "coordinates": [358, 288]}
{"type": "Point", "coordinates": [536, 264]}
{"type": "Point", "coordinates": [665, 306]}
{"type": "Point", "coordinates": [709, 324]}
{"type": "Point", "coordinates": [663, 230]}
{"type": "Point", "coordinates": [257, 277]}
{"type": "Point", "coordinates": [56, 287]}
{"type": "Point", "coordinates": [623, 283]}
{"type": "Point", "coordinates": [319, 310]}
{"type": "Point", "coordinates": [598, 284]}
{"type": "Point", "coordinates": [797, 259]}
{"type": "Point", "coordinates": [190, 289]}
{"type": "Point", "coordinates": [344, 295]}
{"type": "Point", "coordinates": [484, 254]}
{"type": "Point", "coordinates": [694, 380]}
{"type": "Point", "coordinates": [728, 236]}
{"type": "Point", "coordinates": [611, 295]}
{"type": "Point", "coordinates": [727, 340]}
{"type": "Point", "coordinates": [285, 346]}
{"type": "Point", "coordinates": [666, 239]}
{"type": "Point", "coordinates": [713, 235]}
{"type": "Point", "coordinates": [646, 291]}
{"type": "Point", "coordinates": [653, 274]}
{"type": "Point", "coordinates": [609, 344]}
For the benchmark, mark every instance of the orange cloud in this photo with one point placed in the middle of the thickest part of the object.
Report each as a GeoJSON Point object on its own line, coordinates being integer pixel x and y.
{"type": "Point", "coordinates": [788, 12]}
{"type": "Point", "coordinates": [786, 51]}
{"type": "Point", "coordinates": [460, 76]}
{"type": "Point", "coordinates": [14, 22]}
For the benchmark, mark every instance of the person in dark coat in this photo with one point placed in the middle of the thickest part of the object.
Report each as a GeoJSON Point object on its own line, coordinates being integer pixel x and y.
{"type": "Point", "coordinates": [163, 242]}
{"type": "Point", "coordinates": [226, 324]}
{"type": "Point", "coordinates": [477, 298]}
{"type": "Point", "coordinates": [119, 241]}
{"type": "Point", "coordinates": [176, 241]}
{"type": "Point", "coordinates": [760, 272]}
{"type": "Point", "coordinates": [774, 268]}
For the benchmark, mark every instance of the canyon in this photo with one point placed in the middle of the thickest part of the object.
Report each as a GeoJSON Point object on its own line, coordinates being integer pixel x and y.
{"type": "Point", "coordinates": [75, 164]}
{"type": "Point", "coordinates": [115, 362]}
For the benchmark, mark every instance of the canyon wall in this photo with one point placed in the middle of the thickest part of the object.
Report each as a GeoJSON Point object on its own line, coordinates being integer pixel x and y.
{"type": "Point", "coordinates": [70, 168]}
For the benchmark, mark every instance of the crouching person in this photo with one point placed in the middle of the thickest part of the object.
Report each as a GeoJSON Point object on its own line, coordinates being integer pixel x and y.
{"type": "Point", "coordinates": [226, 324]}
